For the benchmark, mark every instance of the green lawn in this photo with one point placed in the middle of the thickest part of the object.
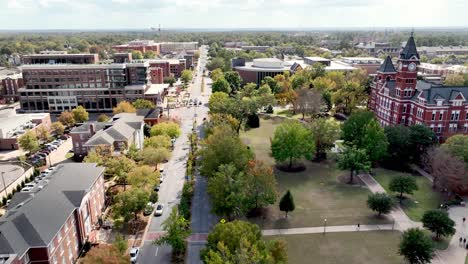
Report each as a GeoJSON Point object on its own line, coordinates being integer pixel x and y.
{"type": "Point", "coordinates": [343, 248]}
{"type": "Point", "coordinates": [317, 192]}
{"type": "Point", "coordinates": [414, 205]}
{"type": "Point", "coordinates": [288, 113]}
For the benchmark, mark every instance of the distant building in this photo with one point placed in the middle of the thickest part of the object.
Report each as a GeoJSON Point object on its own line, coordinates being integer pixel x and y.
{"type": "Point", "coordinates": [257, 70]}
{"type": "Point", "coordinates": [169, 47]}
{"type": "Point", "coordinates": [397, 97]}
{"type": "Point", "coordinates": [369, 64]}
{"type": "Point", "coordinates": [441, 51]}
{"type": "Point", "coordinates": [139, 45]}
{"type": "Point", "coordinates": [13, 125]}
{"type": "Point", "coordinates": [113, 137]}
{"type": "Point", "coordinates": [255, 48]}
{"type": "Point", "coordinates": [377, 49]}
{"type": "Point", "coordinates": [60, 58]}
{"type": "Point", "coordinates": [52, 222]}
{"type": "Point", "coordinates": [170, 67]}
{"type": "Point", "coordinates": [123, 57]}
{"type": "Point", "coordinates": [10, 82]}
{"type": "Point", "coordinates": [235, 44]}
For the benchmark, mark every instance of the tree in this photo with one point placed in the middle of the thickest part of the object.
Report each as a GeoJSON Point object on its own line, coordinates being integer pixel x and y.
{"type": "Point", "coordinates": [287, 203]}
{"type": "Point", "coordinates": [120, 244]}
{"type": "Point", "coordinates": [291, 141]}
{"type": "Point", "coordinates": [349, 97]}
{"type": "Point", "coordinates": [216, 74]}
{"type": "Point", "coordinates": [421, 139]}
{"type": "Point", "coordinates": [403, 184]}
{"type": "Point", "coordinates": [308, 102]}
{"type": "Point", "coordinates": [457, 145]}
{"type": "Point", "coordinates": [325, 131]}
{"type": "Point", "coordinates": [455, 79]}
{"type": "Point", "coordinates": [380, 202]}
{"type": "Point", "coordinates": [177, 229]}
{"type": "Point", "coordinates": [261, 185]}
{"type": "Point", "coordinates": [43, 133]}
{"type": "Point", "coordinates": [438, 222]}
{"type": "Point", "coordinates": [94, 156]}
{"type": "Point", "coordinates": [374, 141]}
{"type": "Point", "coordinates": [170, 129]}
{"type": "Point", "coordinates": [223, 146]}
{"type": "Point", "coordinates": [118, 167]}
{"type": "Point", "coordinates": [143, 177]}
{"type": "Point", "coordinates": [153, 157]}
{"type": "Point", "coordinates": [28, 141]}
{"type": "Point", "coordinates": [221, 85]}
{"type": "Point", "coordinates": [143, 104]}
{"type": "Point", "coordinates": [220, 120]}
{"type": "Point", "coordinates": [354, 160]}
{"type": "Point", "coordinates": [234, 80]}
{"type": "Point", "coordinates": [149, 54]}
{"type": "Point", "coordinates": [398, 140]}
{"type": "Point", "coordinates": [124, 107]}
{"type": "Point", "coordinates": [186, 76]}
{"type": "Point", "coordinates": [67, 119]}
{"type": "Point", "coordinates": [353, 129]}
{"type": "Point", "coordinates": [170, 80]}
{"type": "Point", "coordinates": [218, 102]}
{"type": "Point", "coordinates": [226, 189]}
{"type": "Point", "coordinates": [137, 55]}
{"type": "Point", "coordinates": [103, 118]}
{"type": "Point", "coordinates": [241, 242]}
{"type": "Point", "coordinates": [416, 246]}
{"type": "Point", "coordinates": [129, 203]}
{"type": "Point", "coordinates": [215, 63]}
{"type": "Point", "coordinates": [80, 114]}
{"type": "Point", "coordinates": [105, 253]}
{"type": "Point", "coordinates": [58, 128]}
{"type": "Point", "coordinates": [449, 172]}
{"type": "Point", "coordinates": [161, 141]}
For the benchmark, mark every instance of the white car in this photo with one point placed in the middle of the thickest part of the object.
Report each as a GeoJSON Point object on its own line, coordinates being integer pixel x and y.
{"type": "Point", "coordinates": [159, 210]}
{"type": "Point", "coordinates": [26, 189]}
{"type": "Point", "coordinates": [134, 254]}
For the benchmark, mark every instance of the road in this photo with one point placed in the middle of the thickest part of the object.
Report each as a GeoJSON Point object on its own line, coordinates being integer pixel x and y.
{"type": "Point", "coordinates": [171, 188]}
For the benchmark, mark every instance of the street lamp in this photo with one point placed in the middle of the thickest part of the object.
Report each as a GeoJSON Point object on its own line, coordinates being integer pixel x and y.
{"type": "Point", "coordinates": [324, 226]}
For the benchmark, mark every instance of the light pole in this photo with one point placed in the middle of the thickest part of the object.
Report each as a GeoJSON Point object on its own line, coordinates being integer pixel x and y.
{"type": "Point", "coordinates": [324, 226]}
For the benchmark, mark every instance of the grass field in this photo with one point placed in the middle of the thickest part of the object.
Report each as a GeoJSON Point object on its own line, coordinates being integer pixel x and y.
{"type": "Point", "coordinates": [343, 248]}
{"type": "Point", "coordinates": [414, 205]}
{"type": "Point", "coordinates": [317, 192]}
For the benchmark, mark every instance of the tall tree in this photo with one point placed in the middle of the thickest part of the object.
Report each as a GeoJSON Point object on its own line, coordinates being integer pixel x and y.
{"type": "Point", "coordinates": [309, 102]}
{"type": "Point", "coordinates": [143, 104]}
{"type": "Point", "coordinates": [161, 141]}
{"type": "Point", "coordinates": [67, 119]}
{"type": "Point", "coordinates": [374, 141]}
{"type": "Point", "coordinates": [291, 141]}
{"type": "Point", "coordinates": [421, 139]}
{"type": "Point", "coordinates": [398, 141]}
{"type": "Point", "coordinates": [354, 160]}
{"type": "Point", "coordinates": [234, 80]}
{"type": "Point", "coordinates": [186, 76]}
{"type": "Point", "coordinates": [221, 85]}
{"type": "Point", "coordinates": [177, 229]}
{"type": "Point", "coordinates": [325, 132]}
{"type": "Point", "coordinates": [28, 141]}
{"type": "Point", "coordinates": [129, 204]}
{"type": "Point", "coordinates": [216, 74]}
{"type": "Point", "coordinates": [117, 167]}
{"type": "Point", "coordinates": [143, 177]}
{"type": "Point", "coordinates": [80, 114]}
{"type": "Point", "coordinates": [287, 203]}
{"type": "Point", "coordinates": [153, 157]}
{"type": "Point", "coordinates": [438, 222]}
{"type": "Point", "coordinates": [124, 107]}
{"type": "Point", "coordinates": [403, 185]}
{"type": "Point", "coordinates": [43, 133]}
{"type": "Point", "coordinates": [416, 246]}
{"type": "Point", "coordinates": [353, 129]}
{"type": "Point", "coordinates": [457, 145]}
{"type": "Point", "coordinates": [261, 185]}
{"type": "Point", "coordinates": [58, 128]}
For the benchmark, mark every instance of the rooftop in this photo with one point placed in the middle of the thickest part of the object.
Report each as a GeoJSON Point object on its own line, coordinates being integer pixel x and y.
{"type": "Point", "coordinates": [38, 215]}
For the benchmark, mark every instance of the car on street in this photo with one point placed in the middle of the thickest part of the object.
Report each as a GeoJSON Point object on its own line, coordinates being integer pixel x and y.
{"type": "Point", "coordinates": [159, 210]}
{"type": "Point", "coordinates": [148, 209]}
{"type": "Point", "coordinates": [161, 179]}
{"type": "Point", "coordinates": [156, 188]}
{"type": "Point", "coordinates": [134, 254]}
{"type": "Point", "coordinates": [26, 189]}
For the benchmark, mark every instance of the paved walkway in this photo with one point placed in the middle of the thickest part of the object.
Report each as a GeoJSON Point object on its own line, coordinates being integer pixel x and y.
{"type": "Point", "coordinates": [328, 229]}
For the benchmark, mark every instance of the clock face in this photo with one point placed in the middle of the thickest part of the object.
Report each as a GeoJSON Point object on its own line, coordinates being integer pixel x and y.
{"type": "Point", "coordinates": [412, 66]}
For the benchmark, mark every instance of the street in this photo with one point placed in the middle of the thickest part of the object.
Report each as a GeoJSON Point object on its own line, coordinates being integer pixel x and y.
{"type": "Point", "coordinates": [171, 188]}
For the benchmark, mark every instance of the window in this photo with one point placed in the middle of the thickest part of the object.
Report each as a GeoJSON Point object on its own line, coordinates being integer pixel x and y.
{"type": "Point", "coordinates": [433, 115]}
{"type": "Point", "coordinates": [457, 103]}
{"type": "Point", "coordinates": [439, 102]}
{"type": "Point", "coordinates": [439, 128]}
{"type": "Point", "coordinates": [453, 127]}
{"type": "Point", "coordinates": [59, 236]}
{"type": "Point", "coordinates": [441, 115]}
{"type": "Point", "coordinates": [404, 109]}
{"type": "Point", "coordinates": [455, 115]}
{"type": "Point", "coordinates": [466, 117]}
{"type": "Point", "coordinates": [54, 260]}
{"type": "Point", "coordinates": [466, 128]}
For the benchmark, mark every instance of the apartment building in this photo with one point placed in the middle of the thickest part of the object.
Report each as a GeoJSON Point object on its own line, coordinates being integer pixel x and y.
{"type": "Point", "coordinates": [60, 58]}
{"type": "Point", "coordinates": [97, 87]}
{"type": "Point", "coordinates": [170, 67]}
{"type": "Point", "coordinates": [52, 222]}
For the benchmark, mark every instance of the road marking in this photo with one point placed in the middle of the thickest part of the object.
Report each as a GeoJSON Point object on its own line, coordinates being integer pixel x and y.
{"type": "Point", "coordinates": [156, 254]}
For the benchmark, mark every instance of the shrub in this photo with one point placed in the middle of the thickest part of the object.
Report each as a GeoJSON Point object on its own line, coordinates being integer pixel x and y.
{"type": "Point", "coordinates": [18, 188]}
{"type": "Point", "coordinates": [4, 200]}
{"type": "Point", "coordinates": [186, 199]}
{"type": "Point", "coordinates": [23, 183]}
{"type": "Point", "coordinates": [154, 197]}
{"type": "Point", "coordinates": [253, 121]}
{"type": "Point", "coordinates": [9, 196]}
{"type": "Point", "coordinates": [269, 109]}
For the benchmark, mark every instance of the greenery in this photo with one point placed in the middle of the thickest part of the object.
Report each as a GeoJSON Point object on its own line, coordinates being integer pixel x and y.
{"type": "Point", "coordinates": [129, 203]}
{"type": "Point", "coordinates": [291, 141]}
{"type": "Point", "coordinates": [186, 199]}
{"type": "Point", "coordinates": [457, 145]}
{"type": "Point", "coordinates": [186, 77]}
{"type": "Point", "coordinates": [105, 254]}
{"type": "Point", "coordinates": [325, 132]}
{"type": "Point", "coordinates": [143, 104]}
{"type": "Point", "coordinates": [80, 114]}
{"type": "Point", "coordinates": [143, 177]}
{"type": "Point", "coordinates": [160, 141]}
{"type": "Point", "coordinates": [124, 107]}
{"type": "Point", "coordinates": [403, 185]}
{"type": "Point", "coordinates": [354, 160]}
{"type": "Point", "coordinates": [260, 185]}
{"type": "Point", "coordinates": [170, 129]}
{"type": "Point", "coordinates": [416, 247]}
{"type": "Point", "coordinates": [103, 118]}
{"type": "Point", "coordinates": [43, 134]}
{"type": "Point", "coordinates": [380, 203]}
{"type": "Point", "coordinates": [58, 128]}
{"type": "Point", "coordinates": [67, 119]}
{"type": "Point", "coordinates": [287, 203]}
{"type": "Point", "coordinates": [438, 222]}
{"type": "Point", "coordinates": [154, 156]}
{"type": "Point", "coordinates": [28, 141]}
{"type": "Point", "coordinates": [177, 229]}
{"type": "Point", "coordinates": [221, 85]}
{"type": "Point", "coordinates": [241, 242]}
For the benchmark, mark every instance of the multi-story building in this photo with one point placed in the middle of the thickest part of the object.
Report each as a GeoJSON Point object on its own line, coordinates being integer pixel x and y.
{"type": "Point", "coordinates": [169, 47]}
{"type": "Point", "coordinates": [377, 49]}
{"type": "Point", "coordinates": [397, 97]}
{"type": "Point", "coordinates": [123, 57]}
{"type": "Point", "coordinates": [10, 82]}
{"type": "Point", "coordinates": [52, 222]}
{"type": "Point", "coordinates": [97, 87]}
{"type": "Point", "coordinates": [139, 45]}
{"type": "Point", "coordinates": [60, 58]}
{"type": "Point", "coordinates": [113, 137]}
{"type": "Point", "coordinates": [440, 51]}
{"type": "Point", "coordinates": [170, 67]}
{"type": "Point", "coordinates": [369, 64]}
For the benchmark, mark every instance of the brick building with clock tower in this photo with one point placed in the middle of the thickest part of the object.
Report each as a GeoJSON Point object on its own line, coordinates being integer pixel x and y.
{"type": "Point", "coordinates": [397, 97]}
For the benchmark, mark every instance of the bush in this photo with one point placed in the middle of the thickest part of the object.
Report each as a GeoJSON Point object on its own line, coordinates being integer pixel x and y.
{"type": "Point", "coordinates": [186, 200]}
{"type": "Point", "coordinates": [253, 121]}
{"type": "Point", "coordinates": [23, 183]}
{"type": "Point", "coordinates": [36, 172]}
{"type": "Point", "coordinates": [154, 197]}
{"type": "Point", "coordinates": [4, 200]}
{"type": "Point", "coordinates": [9, 196]}
{"type": "Point", "coordinates": [269, 109]}
{"type": "Point", "coordinates": [18, 188]}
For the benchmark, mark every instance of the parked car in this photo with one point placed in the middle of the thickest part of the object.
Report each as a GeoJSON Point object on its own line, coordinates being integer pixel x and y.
{"type": "Point", "coordinates": [29, 185]}
{"type": "Point", "coordinates": [46, 151]}
{"type": "Point", "coordinates": [156, 188]}
{"type": "Point", "coordinates": [134, 254]}
{"type": "Point", "coordinates": [148, 209]}
{"type": "Point", "coordinates": [26, 189]}
{"type": "Point", "coordinates": [159, 210]}
{"type": "Point", "coordinates": [161, 179]}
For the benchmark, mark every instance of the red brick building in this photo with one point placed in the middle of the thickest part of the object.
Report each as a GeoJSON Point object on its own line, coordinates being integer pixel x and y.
{"type": "Point", "coordinates": [139, 45]}
{"type": "Point", "coordinates": [10, 82]}
{"type": "Point", "coordinates": [397, 97]}
{"type": "Point", "coordinates": [52, 222]}
{"type": "Point", "coordinates": [60, 58]}
{"type": "Point", "coordinates": [170, 67]}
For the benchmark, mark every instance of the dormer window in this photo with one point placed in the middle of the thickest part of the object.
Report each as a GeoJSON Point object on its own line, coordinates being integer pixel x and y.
{"type": "Point", "coordinates": [440, 102]}
{"type": "Point", "coordinates": [457, 102]}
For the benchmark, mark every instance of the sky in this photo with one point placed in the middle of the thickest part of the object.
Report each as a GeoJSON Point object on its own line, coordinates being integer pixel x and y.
{"type": "Point", "coordinates": [230, 14]}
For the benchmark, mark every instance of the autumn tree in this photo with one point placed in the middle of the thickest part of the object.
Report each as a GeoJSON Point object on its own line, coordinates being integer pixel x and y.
{"type": "Point", "coordinates": [291, 141]}
{"type": "Point", "coordinates": [325, 131]}
{"type": "Point", "coordinates": [80, 114]}
{"type": "Point", "coordinates": [170, 129]}
{"type": "Point", "coordinates": [455, 79]}
{"type": "Point", "coordinates": [216, 74]}
{"type": "Point", "coordinates": [103, 118]}
{"type": "Point", "coordinates": [261, 185]}
{"type": "Point", "coordinates": [143, 104]}
{"type": "Point", "coordinates": [129, 204]}
{"type": "Point", "coordinates": [137, 55]}
{"type": "Point", "coordinates": [160, 141]}
{"type": "Point", "coordinates": [119, 167]}
{"type": "Point", "coordinates": [28, 141]}
{"type": "Point", "coordinates": [67, 119]}
{"type": "Point", "coordinates": [143, 177]}
{"type": "Point", "coordinates": [153, 157]}
{"type": "Point", "coordinates": [124, 107]}
{"type": "Point", "coordinates": [457, 145]}
{"type": "Point", "coordinates": [58, 128]}
{"type": "Point", "coordinates": [43, 133]}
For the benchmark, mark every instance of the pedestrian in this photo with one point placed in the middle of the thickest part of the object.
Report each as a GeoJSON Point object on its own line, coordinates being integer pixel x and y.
{"type": "Point", "coordinates": [358, 226]}
{"type": "Point", "coordinates": [464, 241]}
{"type": "Point", "coordinates": [461, 239]}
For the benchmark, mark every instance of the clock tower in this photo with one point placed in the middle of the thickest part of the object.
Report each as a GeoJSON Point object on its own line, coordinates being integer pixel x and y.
{"type": "Point", "coordinates": [407, 69]}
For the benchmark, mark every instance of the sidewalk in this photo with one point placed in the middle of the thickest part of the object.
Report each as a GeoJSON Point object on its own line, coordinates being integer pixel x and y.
{"type": "Point", "coordinates": [328, 229]}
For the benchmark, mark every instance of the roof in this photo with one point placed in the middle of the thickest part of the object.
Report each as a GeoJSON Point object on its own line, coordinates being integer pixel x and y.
{"type": "Point", "coordinates": [387, 66]}
{"type": "Point", "coordinates": [38, 220]}
{"type": "Point", "coordinates": [431, 92]}
{"type": "Point", "coordinates": [409, 50]}
{"type": "Point", "coordinates": [86, 127]}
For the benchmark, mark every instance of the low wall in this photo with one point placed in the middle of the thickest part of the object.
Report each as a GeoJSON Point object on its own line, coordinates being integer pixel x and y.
{"type": "Point", "coordinates": [28, 171]}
